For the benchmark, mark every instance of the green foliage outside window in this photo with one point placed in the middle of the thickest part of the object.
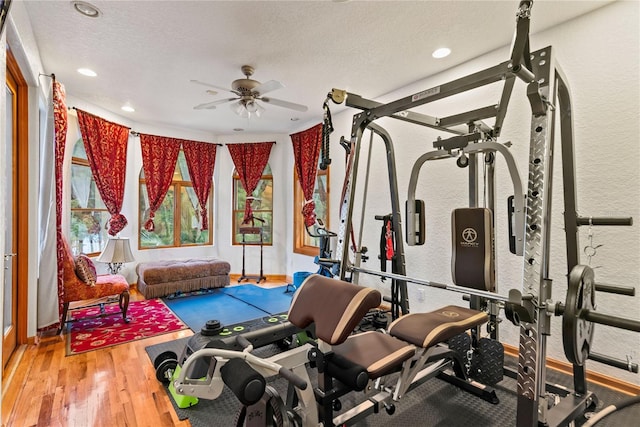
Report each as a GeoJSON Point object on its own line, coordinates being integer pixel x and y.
{"type": "Point", "coordinates": [262, 206]}
{"type": "Point", "coordinates": [177, 221]}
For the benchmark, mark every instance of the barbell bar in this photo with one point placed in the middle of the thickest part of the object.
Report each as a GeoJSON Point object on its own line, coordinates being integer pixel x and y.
{"type": "Point", "coordinates": [578, 312]}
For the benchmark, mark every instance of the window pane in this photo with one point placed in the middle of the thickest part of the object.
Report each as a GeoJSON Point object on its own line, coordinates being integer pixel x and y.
{"type": "Point", "coordinates": [190, 219]}
{"type": "Point", "coordinates": [241, 195]}
{"type": "Point", "coordinates": [262, 206]}
{"type": "Point", "coordinates": [78, 150]}
{"type": "Point", "coordinates": [164, 220]}
{"type": "Point", "coordinates": [182, 171]}
{"type": "Point", "coordinates": [88, 233]}
{"type": "Point", "coordinates": [320, 199]}
{"type": "Point", "coordinates": [255, 238]}
{"type": "Point", "coordinates": [84, 192]}
{"type": "Point", "coordinates": [263, 195]}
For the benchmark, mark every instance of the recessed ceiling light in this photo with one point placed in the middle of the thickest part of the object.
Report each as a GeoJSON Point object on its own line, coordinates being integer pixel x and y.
{"type": "Point", "coordinates": [238, 129]}
{"type": "Point", "coordinates": [441, 53]}
{"type": "Point", "coordinates": [86, 9]}
{"type": "Point", "coordinates": [87, 72]}
{"type": "Point", "coordinates": [128, 108]}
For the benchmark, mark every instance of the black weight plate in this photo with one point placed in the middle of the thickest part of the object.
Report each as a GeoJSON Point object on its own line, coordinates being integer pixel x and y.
{"type": "Point", "coordinates": [164, 356]}
{"type": "Point", "coordinates": [577, 333]}
{"type": "Point", "coordinates": [165, 370]}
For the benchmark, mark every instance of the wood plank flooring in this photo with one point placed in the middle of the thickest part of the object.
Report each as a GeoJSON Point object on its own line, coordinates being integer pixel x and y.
{"type": "Point", "coordinates": [115, 386]}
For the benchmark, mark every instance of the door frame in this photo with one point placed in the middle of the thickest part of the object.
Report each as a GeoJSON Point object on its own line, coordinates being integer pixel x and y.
{"type": "Point", "coordinates": [22, 175]}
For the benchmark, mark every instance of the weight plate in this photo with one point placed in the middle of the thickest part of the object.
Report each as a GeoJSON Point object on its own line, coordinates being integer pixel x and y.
{"type": "Point", "coordinates": [238, 328]}
{"type": "Point", "coordinates": [164, 356]}
{"type": "Point", "coordinates": [165, 370]}
{"type": "Point", "coordinates": [577, 333]}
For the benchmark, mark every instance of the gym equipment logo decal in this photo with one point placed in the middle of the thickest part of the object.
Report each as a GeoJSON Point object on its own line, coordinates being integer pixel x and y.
{"type": "Point", "coordinates": [469, 237]}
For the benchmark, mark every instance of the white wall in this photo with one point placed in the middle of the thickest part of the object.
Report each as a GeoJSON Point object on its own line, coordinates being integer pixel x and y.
{"type": "Point", "coordinates": [599, 53]}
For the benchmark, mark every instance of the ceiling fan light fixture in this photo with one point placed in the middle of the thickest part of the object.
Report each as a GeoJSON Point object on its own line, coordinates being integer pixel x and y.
{"type": "Point", "coordinates": [252, 107]}
{"type": "Point", "coordinates": [237, 107]}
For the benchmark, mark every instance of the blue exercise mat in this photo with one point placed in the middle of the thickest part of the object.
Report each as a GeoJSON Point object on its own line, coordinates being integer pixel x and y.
{"type": "Point", "coordinates": [229, 305]}
{"type": "Point", "coordinates": [270, 300]}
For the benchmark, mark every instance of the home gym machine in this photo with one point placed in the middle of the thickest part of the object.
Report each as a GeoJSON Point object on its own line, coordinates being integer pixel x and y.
{"type": "Point", "coordinates": [388, 365]}
{"type": "Point", "coordinates": [532, 307]}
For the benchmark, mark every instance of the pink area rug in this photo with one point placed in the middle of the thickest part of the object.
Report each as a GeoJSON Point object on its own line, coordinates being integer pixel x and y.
{"type": "Point", "coordinates": [148, 318]}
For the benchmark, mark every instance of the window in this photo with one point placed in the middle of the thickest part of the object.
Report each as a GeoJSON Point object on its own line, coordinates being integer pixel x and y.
{"type": "Point", "coordinates": [302, 242]}
{"type": "Point", "coordinates": [262, 206]}
{"type": "Point", "coordinates": [88, 214]}
{"type": "Point", "coordinates": [177, 221]}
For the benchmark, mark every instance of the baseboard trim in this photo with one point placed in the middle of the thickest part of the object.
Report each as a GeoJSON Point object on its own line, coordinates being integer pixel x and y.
{"type": "Point", "coordinates": [233, 277]}
{"type": "Point", "coordinates": [593, 377]}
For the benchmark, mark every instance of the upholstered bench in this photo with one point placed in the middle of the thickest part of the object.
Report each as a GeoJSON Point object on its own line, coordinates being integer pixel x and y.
{"type": "Point", "coordinates": [163, 278]}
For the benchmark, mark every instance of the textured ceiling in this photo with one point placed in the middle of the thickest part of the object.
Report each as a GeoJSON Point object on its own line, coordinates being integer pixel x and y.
{"type": "Point", "coordinates": [146, 52]}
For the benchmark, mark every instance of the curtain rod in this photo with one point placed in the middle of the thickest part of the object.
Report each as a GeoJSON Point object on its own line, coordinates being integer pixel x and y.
{"type": "Point", "coordinates": [136, 133]}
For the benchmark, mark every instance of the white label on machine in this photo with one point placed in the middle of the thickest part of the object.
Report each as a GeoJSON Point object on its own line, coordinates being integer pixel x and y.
{"type": "Point", "coordinates": [425, 93]}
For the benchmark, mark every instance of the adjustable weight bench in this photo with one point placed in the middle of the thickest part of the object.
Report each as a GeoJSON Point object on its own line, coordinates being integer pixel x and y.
{"type": "Point", "coordinates": [413, 347]}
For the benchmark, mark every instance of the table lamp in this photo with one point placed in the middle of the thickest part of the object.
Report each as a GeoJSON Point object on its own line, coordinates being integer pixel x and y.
{"type": "Point", "coordinates": [115, 253]}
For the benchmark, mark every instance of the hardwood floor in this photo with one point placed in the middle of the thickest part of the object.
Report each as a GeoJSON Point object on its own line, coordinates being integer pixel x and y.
{"type": "Point", "coordinates": [115, 386]}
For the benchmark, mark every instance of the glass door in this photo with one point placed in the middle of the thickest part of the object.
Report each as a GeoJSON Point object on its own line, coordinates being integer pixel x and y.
{"type": "Point", "coordinates": [10, 289]}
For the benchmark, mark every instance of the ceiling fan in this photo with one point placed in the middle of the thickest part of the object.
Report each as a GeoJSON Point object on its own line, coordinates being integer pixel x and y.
{"type": "Point", "coordinates": [247, 94]}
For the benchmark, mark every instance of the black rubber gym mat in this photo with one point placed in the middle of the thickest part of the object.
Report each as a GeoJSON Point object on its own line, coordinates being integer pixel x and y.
{"type": "Point", "coordinates": [434, 403]}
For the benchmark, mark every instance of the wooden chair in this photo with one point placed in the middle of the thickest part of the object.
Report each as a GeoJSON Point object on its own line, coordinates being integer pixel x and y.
{"type": "Point", "coordinates": [76, 290]}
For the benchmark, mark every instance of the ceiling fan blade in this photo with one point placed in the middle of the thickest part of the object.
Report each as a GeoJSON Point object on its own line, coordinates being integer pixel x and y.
{"type": "Point", "coordinates": [285, 104]}
{"type": "Point", "coordinates": [212, 105]}
{"type": "Point", "coordinates": [266, 87]}
{"type": "Point", "coordinates": [198, 82]}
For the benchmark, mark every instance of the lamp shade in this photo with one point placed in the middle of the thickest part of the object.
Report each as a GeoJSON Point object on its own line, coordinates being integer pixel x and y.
{"type": "Point", "coordinates": [118, 250]}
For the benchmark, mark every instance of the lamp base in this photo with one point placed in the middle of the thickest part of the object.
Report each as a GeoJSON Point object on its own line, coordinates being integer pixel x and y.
{"type": "Point", "coordinates": [114, 267]}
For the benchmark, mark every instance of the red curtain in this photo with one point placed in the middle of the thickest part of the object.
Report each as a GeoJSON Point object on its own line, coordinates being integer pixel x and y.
{"type": "Point", "coordinates": [159, 156]}
{"type": "Point", "coordinates": [201, 160]}
{"type": "Point", "coordinates": [106, 146]}
{"type": "Point", "coordinates": [250, 160]}
{"type": "Point", "coordinates": [306, 150]}
{"type": "Point", "coordinates": [60, 139]}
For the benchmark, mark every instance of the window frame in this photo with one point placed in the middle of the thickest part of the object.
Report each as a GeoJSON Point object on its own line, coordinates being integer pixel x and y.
{"type": "Point", "coordinates": [235, 183]}
{"type": "Point", "coordinates": [299, 231]}
{"type": "Point", "coordinates": [176, 186]}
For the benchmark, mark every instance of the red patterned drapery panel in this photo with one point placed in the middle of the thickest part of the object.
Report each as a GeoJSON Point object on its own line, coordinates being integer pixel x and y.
{"type": "Point", "coordinates": [159, 156]}
{"type": "Point", "coordinates": [201, 160]}
{"type": "Point", "coordinates": [60, 139]}
{"type": "Point", "coordinates": [250, 160]}
{"type": "Point", "coordinates": [106, 146]}
{"type": "Point", "coordinates": [306, 150]}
